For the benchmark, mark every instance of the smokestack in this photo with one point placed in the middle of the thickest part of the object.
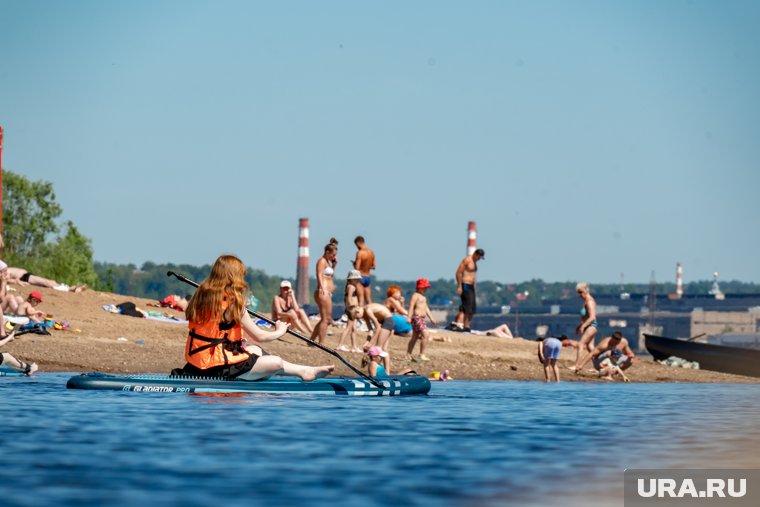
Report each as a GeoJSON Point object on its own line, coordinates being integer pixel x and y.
{"type": "Point", "coordinates": [302, 273]}
{"type": "Point", "coordinates": [472, 236]}
{"type": "Point", "coordinates": [679, 279]}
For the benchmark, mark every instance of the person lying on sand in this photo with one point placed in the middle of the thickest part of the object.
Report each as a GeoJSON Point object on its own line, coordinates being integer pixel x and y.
{"type": "Point", "coordinates": [501, 331]}
{"type": "Point", "coordinates": [24, 277]}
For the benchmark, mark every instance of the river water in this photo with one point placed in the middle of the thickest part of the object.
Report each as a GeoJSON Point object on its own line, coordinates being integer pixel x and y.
{"type": "Point", "coordinates": [468, 443]}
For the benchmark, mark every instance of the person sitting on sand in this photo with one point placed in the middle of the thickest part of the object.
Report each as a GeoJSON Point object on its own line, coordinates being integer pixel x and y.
{"type": "Point", "coordinates": [10, 363]}
{"type": "Point", "coordinates": [285, 308]}
{"type": "Point", "coordinates": [217, 319]}
{"type": "Point", "coordinates": [549, 350]}
{"type": "Point", "coordinates": [16, 305]}
{"type": "Point", "coordinates": [418, 312]}
{"type": "Point", "coordinates": [500, 331]}
{"type": "Point", "coordinates": [611, 357]}
{"type": "Point", "coordinates": [24, 277]}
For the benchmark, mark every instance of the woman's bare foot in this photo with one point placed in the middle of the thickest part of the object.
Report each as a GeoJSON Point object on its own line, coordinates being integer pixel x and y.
{"type": "Point", "coordinates": [317, 372]}
{"type": "Point", "coordinates": [31, 368]}
{"type": "Point", "coordinates": [79, 288]}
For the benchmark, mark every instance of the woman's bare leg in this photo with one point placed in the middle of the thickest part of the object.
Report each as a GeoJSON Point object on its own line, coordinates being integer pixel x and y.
{"type": "Point", "coordinates": [585, 346]}
{"type": "Point", "coordinates": [267, 366]}
{"type": "Point", "coordinates": [43, 282]}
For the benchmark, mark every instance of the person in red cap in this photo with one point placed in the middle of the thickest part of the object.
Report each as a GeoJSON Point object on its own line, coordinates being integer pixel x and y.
{"type": "Point", "coordinates": [15, 305]}
{"type": "Point", "coordinates": [418, 312]}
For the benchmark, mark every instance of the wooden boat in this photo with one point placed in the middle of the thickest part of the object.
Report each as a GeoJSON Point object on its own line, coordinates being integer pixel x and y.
{"type": "Point", "coordinates": [396, 385]}
{"type": "Point", "coordinates": [735, 360]}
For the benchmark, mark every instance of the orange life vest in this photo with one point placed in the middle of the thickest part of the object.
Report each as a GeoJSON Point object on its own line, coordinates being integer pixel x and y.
{"type": "Point", "coordinates": [213, 344]}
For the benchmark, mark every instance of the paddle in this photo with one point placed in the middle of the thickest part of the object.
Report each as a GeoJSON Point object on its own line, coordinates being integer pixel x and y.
{"type": "Point", "coordinates": [183, 278]}
{"type": "Point", "coordinates": [695, 337]}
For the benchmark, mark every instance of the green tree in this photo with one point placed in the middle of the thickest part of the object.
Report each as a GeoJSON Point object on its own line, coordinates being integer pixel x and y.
{"type": "Point", "coordinates": [30, 230]}
{"type": "Point", "coordinates": [29, 216]}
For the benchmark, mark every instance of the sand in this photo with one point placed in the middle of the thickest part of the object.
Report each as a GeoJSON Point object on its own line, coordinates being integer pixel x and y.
{"type": "Point", "coordinates": [92, 343]}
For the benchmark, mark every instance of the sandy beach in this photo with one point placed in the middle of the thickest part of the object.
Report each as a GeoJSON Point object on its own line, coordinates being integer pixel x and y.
{"type": "Point", "coordinates": [101, 341]}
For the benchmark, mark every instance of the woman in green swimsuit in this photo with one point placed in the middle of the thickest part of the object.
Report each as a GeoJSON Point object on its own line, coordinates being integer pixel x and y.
{"type": "Point", "coordinates": [587, 328]}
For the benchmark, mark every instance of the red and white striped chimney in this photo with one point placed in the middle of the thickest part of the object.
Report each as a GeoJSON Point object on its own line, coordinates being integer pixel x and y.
{"type": "Point", "coordinates": [302, 273]}
{"type": "Point", "coordinates": [472, 236]}
{"type": "Point", "coordinates": [679, 279]}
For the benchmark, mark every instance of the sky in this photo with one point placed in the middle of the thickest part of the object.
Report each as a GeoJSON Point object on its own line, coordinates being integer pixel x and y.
{"type": "Point", "coordinates": [585, 138]}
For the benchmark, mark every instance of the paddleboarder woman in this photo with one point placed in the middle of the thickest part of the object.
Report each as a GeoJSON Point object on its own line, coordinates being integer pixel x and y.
{"type": "Point", "coordinates": [217, 319]}
{"type": "Point", "coordinates": [588, 326]}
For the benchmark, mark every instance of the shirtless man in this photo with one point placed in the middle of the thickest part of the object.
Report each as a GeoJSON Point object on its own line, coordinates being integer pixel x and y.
{"type": "Point", "coordinates": [466, 290]}
{"type": "Point", "coordinates": [382, 319]}
{"type": "Point", "coordinates": [364, 262]}
{"type": "Point", "coordinates": [24, 277]}
{"type": "Point", "coordinates": [611, 357]}
{"type": "Point", "coordinates": [285, 308]}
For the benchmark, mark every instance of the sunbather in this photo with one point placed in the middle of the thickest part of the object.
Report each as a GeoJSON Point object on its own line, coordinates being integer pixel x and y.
{"type": "Point", "coordinates": [24, 277]}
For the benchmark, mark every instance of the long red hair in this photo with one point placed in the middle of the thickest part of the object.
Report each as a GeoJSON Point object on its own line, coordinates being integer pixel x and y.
{"type": "Point", "coordinates": [225, 286]}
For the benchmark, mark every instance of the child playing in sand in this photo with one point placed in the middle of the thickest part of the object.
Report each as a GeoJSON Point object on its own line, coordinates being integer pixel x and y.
{"type": "Point", "coordinates": [16, 305]}
{"type": "Point", "coordinates": [418, 312]}
{"type": "Point", "coordinates": [375, 368]}
{"type": "Point", "coordinates": [548, 353]}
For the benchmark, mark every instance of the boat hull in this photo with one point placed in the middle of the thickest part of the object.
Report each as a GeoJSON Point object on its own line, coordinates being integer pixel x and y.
{"type": "Point", "coordinates": [400, 385]}
{"type": "Point", "coordinates": [710, 357]}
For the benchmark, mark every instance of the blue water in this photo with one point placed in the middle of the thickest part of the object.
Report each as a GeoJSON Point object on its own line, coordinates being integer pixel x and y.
{"type": "Point", "coordinates": [466, 444]}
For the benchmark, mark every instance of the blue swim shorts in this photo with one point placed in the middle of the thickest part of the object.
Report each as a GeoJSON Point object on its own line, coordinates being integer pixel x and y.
{"type": "Point", "coordinates": [552, 348]}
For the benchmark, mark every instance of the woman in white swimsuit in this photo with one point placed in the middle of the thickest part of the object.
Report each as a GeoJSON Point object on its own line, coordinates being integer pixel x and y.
{"type": "Point", "coordinates": [325, 288]}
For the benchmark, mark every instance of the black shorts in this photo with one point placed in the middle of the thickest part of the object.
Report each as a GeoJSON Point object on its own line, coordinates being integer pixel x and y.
{"type": "Point", "coordinates": [25, 277]}
{"type": "Point", "coordinates": [388, 324]}
{"type": "Point", "coordinates": [468, 305]}
{"type": "Point", "coordinates": [224, 371]}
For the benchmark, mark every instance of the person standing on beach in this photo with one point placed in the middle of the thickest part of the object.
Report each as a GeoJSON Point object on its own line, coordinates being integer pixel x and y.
{"type": "Point", "coordinates": [418, 312]}
{"type": "Point", "coordinates": [217, 319]}
{"type": "Point", "coordinates": [395, 303]}
{"type": "Point", "coordinates": [465, 276]}
{"type": "Point", "coordinates": [350, 298]}
{"type": "Point", "coordinates": [325, 288]}
{"type": "Point", "coordinates": [364, 262]}
{"type": "Point", "coordinates": [588, 326]}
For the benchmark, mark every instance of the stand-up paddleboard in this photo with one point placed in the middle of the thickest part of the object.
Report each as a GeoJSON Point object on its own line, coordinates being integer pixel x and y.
{"type": "Point", "coordinates": [11, 373]}
{"type": "Point", "coordinates": [399, 385]}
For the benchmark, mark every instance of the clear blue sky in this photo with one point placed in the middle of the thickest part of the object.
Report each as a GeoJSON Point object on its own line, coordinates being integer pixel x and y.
{"type": "Point", "coordinates": [585, 138]}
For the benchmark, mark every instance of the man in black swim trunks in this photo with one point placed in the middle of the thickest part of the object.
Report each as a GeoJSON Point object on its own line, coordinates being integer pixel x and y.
{"type": "Point", "coordinates": [465, 276]}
